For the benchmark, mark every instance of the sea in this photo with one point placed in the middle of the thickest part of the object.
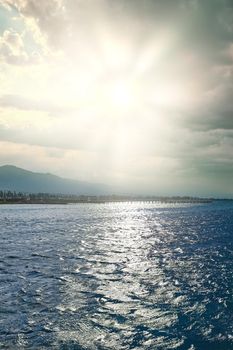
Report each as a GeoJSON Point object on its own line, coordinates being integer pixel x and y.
{"type": "Point", "coordinates": [117, 276]}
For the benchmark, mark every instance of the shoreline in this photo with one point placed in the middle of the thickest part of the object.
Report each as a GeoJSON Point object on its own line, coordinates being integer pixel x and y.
{"type": "Point", "coordinates": [65, 202]}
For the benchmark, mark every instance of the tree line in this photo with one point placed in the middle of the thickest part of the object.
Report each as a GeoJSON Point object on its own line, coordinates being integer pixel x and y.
{"type": "Point", "coordinates": [7, 195]}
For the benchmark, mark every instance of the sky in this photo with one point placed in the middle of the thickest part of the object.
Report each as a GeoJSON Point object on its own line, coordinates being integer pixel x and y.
{"type": "Point", "coordinates": [135, 94]}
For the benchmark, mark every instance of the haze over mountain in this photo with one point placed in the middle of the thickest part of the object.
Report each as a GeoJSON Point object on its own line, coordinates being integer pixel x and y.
{"type": "Point", "coordinates": [18, 179]}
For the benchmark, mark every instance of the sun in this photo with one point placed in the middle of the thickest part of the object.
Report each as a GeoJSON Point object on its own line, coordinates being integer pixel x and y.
{"type": "Point", "coordinates": [121, 94]}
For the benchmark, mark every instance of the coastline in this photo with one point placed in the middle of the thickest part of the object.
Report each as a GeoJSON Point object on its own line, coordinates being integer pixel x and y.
{"type": "Point", "coordinates": [104, 201]}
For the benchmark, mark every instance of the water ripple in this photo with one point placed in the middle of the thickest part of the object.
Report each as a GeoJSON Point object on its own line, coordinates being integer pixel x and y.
{"type": "Point", "coordinates": [116, 276]}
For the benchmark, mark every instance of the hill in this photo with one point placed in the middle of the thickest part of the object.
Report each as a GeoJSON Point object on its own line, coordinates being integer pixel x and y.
{"type": "Point", "coordinates": [17, 179]}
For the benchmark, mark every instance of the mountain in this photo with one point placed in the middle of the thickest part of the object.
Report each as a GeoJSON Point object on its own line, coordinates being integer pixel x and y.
{"type": "Point", "coordinates": [20, 180]}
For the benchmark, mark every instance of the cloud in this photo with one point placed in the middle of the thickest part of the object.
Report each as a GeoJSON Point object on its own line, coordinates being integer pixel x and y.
{"type": "Point", "coordinates": [176, 59]}
{"type": "Point", "coordinates": [45, 19]}
{"type": "Point", "coordinates": [26, 104]}
{"type": "Point", "coordinates": [12, 48]}
{"type": "Point", "coordinates": [13, 51]}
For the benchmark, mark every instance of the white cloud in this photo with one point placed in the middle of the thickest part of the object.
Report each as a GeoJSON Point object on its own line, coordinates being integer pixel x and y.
{"type": "Point", "coordinates": [139, 92]}
{"type": "Point", "coordinates": [12, 48]}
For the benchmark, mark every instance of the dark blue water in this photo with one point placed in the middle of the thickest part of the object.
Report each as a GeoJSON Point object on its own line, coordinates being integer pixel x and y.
{"type": "Point", "coordinates": [116, 276]}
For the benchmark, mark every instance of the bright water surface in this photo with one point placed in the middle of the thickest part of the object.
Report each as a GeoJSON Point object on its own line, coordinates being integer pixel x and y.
{"type": "Point", "coordinates": [116, 276]}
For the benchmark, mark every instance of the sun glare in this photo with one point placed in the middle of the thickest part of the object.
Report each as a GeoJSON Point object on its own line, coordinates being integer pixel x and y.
{"type": "Point", "coordinates": [121, 95]}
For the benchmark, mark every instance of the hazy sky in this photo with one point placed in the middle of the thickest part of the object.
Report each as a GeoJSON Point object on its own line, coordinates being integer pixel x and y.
{"type": "Point", "coordinates": [134, 93]}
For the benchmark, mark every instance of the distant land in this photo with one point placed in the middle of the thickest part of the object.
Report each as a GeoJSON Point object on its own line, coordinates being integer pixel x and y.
{"type": "Point", "coordinates": [17, 179]}
{"type": "Point", "coordinates": [20, 186]}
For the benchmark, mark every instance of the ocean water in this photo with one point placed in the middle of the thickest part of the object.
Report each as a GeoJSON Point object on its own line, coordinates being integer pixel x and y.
{"type": "Point", "coordinates": [116, 276]}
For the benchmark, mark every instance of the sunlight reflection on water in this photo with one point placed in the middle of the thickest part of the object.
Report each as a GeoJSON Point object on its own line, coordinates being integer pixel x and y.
{"type": "Point", "coordinates": [116, 276]}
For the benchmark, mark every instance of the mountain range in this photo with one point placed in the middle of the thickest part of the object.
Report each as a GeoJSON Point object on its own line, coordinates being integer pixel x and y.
{"type": "Point", "coordinates": [20, 180]}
